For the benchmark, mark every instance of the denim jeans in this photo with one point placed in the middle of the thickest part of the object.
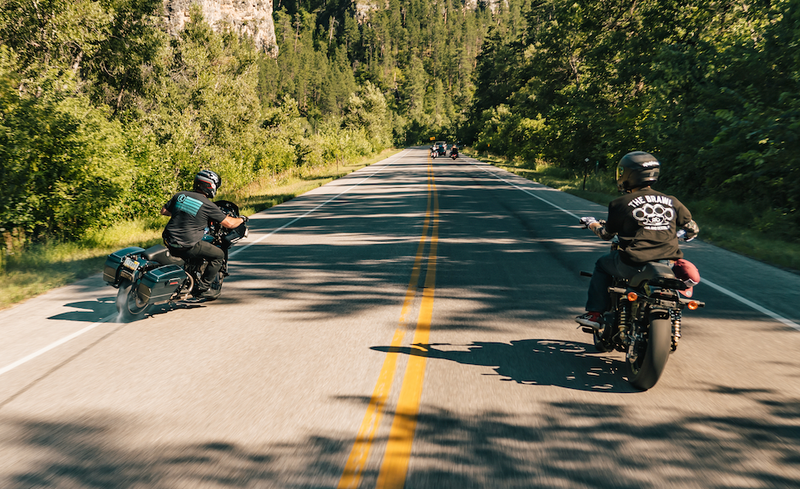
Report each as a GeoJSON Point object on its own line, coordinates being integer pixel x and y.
{"type": "Point", "coordinates": [605, 269]}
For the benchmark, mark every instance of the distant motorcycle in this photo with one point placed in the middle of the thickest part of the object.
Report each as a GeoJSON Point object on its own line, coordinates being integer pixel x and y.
{"type": "Point", "coordinates": [454, 153]}
{"type": "Point", "coordinates": [434, 153]}
{"type": "Point", "coordinates": [151, 276]}
{"type": "Point", "coordinates": [644, 320]}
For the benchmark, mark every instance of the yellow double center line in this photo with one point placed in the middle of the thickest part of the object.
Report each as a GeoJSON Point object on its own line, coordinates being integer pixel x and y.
{"type": "Point", "coordinates": [401, 435]}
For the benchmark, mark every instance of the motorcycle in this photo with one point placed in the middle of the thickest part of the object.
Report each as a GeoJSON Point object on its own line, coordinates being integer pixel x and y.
{"type": "Point", "coordinates": [644, 321]}
{"type": "Point", "coordinates": [454, 153]}
{"type": "Point", "coordinates": [434, 154]}
{"type": "Point", "coordinates": [146, 277]}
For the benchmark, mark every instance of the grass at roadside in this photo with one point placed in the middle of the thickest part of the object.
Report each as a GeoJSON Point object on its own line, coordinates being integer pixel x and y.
{"type": "Point", "coordinates": [41, 267]}
{"type": "Point", "coordinates": [722, 224]}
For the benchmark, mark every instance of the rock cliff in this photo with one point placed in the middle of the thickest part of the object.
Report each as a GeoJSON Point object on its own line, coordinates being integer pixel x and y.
{"type": "Point", "coordinates": [251, 17]}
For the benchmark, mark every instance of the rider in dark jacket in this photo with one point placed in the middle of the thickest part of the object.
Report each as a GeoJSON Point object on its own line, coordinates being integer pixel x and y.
{"type": "Point", "coordinates": [647, 224]}
{"type": "Point", "coordinates": [190, 213]}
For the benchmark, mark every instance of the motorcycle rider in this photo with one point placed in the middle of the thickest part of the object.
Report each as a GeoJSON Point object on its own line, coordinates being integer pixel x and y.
{"type": "Point", "coordinates": [189, 213]}
{"type": "Point", "coordinates": [646, 222]}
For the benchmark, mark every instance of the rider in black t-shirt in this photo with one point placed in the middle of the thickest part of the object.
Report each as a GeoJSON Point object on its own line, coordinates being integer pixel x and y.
{"type": "Point", "coordinates": [647, 224]}
{"type": "Point", "coordinates": [190, 213]}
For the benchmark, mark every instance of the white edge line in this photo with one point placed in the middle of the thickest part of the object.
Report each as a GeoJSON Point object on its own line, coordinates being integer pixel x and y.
{"type": "Point", "coordinates": [752, 304]}
{"type": "Point", "coordinates": [74, 335]}
{"type": "Point", "coordinates": [525, 190]}
{"type": "Point", "coordinates": [58, 343]}
{"type": "Point", "coordinates": [719, 288]}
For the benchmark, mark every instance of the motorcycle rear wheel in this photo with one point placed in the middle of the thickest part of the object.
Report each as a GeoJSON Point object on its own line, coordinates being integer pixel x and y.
{"type": "Point", "coordinates": [130, 306]}
{"type": "Point", "coordinates": [652, 355]}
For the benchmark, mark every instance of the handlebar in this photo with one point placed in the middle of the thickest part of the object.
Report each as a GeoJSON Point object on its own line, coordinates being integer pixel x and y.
{"type": "Point", "coordinates": [683, 236]}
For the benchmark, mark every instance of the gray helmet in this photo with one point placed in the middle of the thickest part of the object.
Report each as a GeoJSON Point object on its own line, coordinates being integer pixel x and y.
{"type": "Point", "coordinates": [637, 169]}
{"type": "Point", "coordinates": [207, 183]}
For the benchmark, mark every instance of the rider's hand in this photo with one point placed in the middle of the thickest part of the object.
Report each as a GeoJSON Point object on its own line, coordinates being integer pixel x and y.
{"type": "Point", "coordinates": [691, 230]}
{"type": "Point", "coordinates": [587, 221]}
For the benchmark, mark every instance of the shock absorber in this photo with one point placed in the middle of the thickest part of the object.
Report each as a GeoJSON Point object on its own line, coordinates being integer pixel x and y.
{"type": "Point", "coordinates": [623, 318]}
{"type": "Point", "coordinates": [675, 314]}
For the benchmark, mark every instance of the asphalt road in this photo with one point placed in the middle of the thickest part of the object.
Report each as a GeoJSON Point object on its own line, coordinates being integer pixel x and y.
{"type": "Point", "coordinates": [411, 324]}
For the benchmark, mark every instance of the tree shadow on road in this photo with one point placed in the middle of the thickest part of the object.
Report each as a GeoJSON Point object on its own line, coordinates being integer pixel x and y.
{"type": "Point", "coordinates": [551, 444]}
{"type": "Point", "coordinates": [558, 363]}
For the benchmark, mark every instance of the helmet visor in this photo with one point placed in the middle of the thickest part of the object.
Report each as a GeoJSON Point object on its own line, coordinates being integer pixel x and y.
{"type": "Point", "coordinates": [620, 171]}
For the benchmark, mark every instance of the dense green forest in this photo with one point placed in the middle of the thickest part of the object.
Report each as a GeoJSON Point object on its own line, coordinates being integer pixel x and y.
{"type": "Point", "coordinates": [103, 114]}
{"type": "Point", "coordinates": [710, 87]}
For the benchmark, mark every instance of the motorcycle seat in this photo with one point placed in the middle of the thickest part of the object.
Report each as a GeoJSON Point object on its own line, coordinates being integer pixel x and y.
{"type": "Point", "coordinates": [659, 275]}
{"type": "Point", "coordinates": [160, 254]}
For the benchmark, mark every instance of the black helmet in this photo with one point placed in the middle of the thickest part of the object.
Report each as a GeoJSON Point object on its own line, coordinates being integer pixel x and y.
{"type": "Point", "coordinates": [207, 182]}
{"type": "Point", "coordinates": [637, 169]}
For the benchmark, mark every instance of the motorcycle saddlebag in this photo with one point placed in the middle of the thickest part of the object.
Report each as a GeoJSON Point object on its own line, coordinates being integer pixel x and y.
{"type": "Point", "coordinates": [113, 262]}
{"type": "Point", "coordinates": [158, 285]}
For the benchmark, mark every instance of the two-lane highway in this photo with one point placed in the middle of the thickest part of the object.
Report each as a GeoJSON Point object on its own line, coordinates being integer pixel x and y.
{"type": "Point", "coordinates": [408, 325]}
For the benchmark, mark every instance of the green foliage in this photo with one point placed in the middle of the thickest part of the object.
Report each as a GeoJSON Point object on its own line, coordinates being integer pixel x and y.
{"type": "Point", "coordinates": [103, 115]}
{"type": "Point", "coordinates": [61, 158]}
{"type": "Point", "coordinates": [367, 111]}
{"type": "Point", "coordinates": [708, 87]}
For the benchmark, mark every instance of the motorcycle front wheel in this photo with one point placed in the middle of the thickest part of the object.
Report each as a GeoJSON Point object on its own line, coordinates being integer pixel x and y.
{"type": "Point", "coordinates": [130, 306]}
{"type": "Point", "coordinates": [652, 354]}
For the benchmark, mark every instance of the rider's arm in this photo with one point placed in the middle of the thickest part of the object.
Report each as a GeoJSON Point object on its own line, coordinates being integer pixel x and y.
{"type": "Point", "coordinates": [600, 230]}
{"type": "Point", "coordinates": [231, 222]}
{"type": "Point", "coordinates": [165, 212]}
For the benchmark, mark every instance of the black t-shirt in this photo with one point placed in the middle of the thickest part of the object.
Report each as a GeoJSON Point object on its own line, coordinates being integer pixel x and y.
{"type": "Point", "coordinates": [647, 223]}
{"type": "Point", "coordinates": [191, 213]}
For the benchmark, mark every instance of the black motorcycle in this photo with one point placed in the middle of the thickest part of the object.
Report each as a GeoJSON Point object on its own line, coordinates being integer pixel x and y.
{"type": "Point", "coordinates": [151, 276]}
{"type": "Point", "coordinates": [644, 321]}
{"type": "Point", "coordinates": [454, 153]}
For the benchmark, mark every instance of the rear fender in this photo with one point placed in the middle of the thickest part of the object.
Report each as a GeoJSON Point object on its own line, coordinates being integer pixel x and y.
{"type": "Point", "coordinates": [113, 265]}
{"type": "Point", "coordinates": [658, 314]}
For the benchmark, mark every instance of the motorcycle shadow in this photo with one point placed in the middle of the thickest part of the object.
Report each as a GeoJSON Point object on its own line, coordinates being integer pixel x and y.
{"type": "Point", "coordinates": [159, 309]}
{"type": "Point", "coordinates": [90, 311]}
{"type": "Point", "coordinates": [542, 362]}
{"type": "Point", "coordinates": [94, 311]}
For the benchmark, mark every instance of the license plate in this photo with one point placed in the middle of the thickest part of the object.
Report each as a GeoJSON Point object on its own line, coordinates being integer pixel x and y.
{"type": "Point", "coordinates": [131, 264]}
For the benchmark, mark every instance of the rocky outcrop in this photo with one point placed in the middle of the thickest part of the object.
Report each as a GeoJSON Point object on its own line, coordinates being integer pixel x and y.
{"type": "Point", "coordinates": [251, 17]}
